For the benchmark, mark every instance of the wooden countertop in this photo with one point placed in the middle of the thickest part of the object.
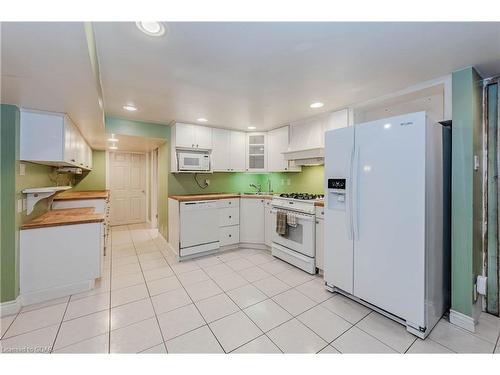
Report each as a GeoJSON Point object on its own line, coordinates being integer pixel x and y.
{"type": "Point", "coordinates": [215, 196]}
{"type": "Point", "coordinates": [319, 203]}
{"type": "Point", "coordinates": [80, 195]}
{"type": "Point", "coordinates": [66, 216]}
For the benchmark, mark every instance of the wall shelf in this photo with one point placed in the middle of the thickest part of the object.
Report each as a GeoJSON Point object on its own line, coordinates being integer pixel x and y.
{"type": "Point", "coordinates": [36, 194]}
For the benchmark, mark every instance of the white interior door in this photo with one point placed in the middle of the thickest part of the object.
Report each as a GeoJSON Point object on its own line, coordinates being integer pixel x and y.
{"type": "Point", "coordinates": [128, 187]}
{"type": "Point", "coordinates": [389, 215]}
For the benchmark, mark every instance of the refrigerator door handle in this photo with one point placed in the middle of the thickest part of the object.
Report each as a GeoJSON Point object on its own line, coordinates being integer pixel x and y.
{"type": "Point", "coordinates": [355, 194]}
{"type": "Point", "coordinates": [348, 211]}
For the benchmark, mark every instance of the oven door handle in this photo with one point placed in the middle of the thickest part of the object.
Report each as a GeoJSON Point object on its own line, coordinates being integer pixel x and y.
{"type": "Point", "coordinates": [298, 215]}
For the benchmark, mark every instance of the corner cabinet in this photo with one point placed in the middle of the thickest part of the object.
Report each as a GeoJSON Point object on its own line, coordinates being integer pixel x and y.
{"type": "Point", "coordinates": [256, 152]}
{"type": "Point", "coordinates": [50, 138]}
{"type": "Point", "coordinates": [252, 223]}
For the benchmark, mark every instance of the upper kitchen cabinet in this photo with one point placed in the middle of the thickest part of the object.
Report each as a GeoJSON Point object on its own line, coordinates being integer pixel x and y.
{"type": "Point", "coordinates": [192, 136]}
{"type": "Point", "coordinates": [53, 139]}
{"type": "Point", "coordinates": [228, 153]}
{"type": "Point", "coordinates": [256, 152]}
{"type": "Point", "coordinates": [277, 142]}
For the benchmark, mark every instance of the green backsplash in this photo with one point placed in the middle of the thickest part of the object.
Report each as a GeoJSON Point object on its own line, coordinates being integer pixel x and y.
{"type": "Point", "coordinates": [310, 180]}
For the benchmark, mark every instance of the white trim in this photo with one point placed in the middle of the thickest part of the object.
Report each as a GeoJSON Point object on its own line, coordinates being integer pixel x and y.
{"type": "Point", "coordinates": [10, 307]}
{"type": "Point", "coordinates": [463, 321]}
{"type": "Point", "coordinates": [107, 170]}
{"type": "Point", "coordinates": [57, 292]}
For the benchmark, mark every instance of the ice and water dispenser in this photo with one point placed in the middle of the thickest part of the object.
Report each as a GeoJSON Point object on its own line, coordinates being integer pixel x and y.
{"type": "Point", "coordinates": [337, 194]}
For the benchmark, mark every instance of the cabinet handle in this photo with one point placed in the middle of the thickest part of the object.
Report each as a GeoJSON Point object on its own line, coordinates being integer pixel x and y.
{"type": "Point", "coordinates": [73, 160]}
{"type": "Point", "coordinates": [230, 235]}
{"type": "Point", "coordinates": [230, 216]}
{"type": "Point", "coordinates": [317, 222]}
{"type": "Point", "coordinates": [230, 202]}
{"type": "Point", "coordinates": [192, 145]}
{"type": "Point", "coordinates": [196, 146]}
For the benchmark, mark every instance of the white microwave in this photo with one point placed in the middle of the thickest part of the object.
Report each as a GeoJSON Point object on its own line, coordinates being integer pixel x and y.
{"type": "Point", "coordinates": [193, 161]}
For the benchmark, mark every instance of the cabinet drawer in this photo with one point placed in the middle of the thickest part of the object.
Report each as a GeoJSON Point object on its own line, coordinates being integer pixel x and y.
{"type": "Point", "coordinates": [229, 235]}
{"type": "Point", "coordinates": [233, 202]}
{"type": "Point", "coordinates": [229, 216]}
{"type": "Point", "coordinates": [320, 212]}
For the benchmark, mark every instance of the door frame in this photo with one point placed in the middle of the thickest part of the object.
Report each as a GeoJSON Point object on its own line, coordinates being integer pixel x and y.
{"type": "Point", "coordinates": [154, 188]}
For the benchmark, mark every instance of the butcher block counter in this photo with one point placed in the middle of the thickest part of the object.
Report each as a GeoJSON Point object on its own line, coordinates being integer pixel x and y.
{"type": "Point", "coordinates": [67, 216]}
{"type": "Point", "coordinates": [80, 195]}
{"type": "Point", "coordinates": [215, 196]}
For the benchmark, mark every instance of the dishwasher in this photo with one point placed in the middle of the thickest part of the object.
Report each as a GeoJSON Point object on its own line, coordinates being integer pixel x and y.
{"type": "Point", "coordinates": [199, 227]}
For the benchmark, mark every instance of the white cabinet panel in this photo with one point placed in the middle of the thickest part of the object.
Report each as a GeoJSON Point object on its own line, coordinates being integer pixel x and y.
{"type": "Point", "coordinates": [229, 216]}
{"type": "Point", "coordinates": [277, 143]}
{"type": "Point", "coordinates": [238, 156]}
{"type": "Point", "coordinates": [307, 134]}
{"type": "Point", "coordinates": [203, 137]}
{"type": "Point", "coordinates": [256, 152]}
{"type": "Point", "coordinates": [337, 120]}
{"type": "Point", "coordinates": [221, 153]}
{"type": "Point", "coordinates": [229, 235]}
{"type": "Point", "coordinates": [320, 241]}
{"type": "Point", "coordinates": [268, 223]}
{"type": "Point", "coordinates": [252, 227]}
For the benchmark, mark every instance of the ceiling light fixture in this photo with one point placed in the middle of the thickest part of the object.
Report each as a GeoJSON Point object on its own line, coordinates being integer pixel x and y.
{"type": "Point", "coordinates": [151, 28]}
{"type": "Point", "coordinates": [201, 119]}
{"type": "Point", "coordinates": [113, 139]}
{"type": "Point", "coordinates": [316, 105]}
{"type": "Point", "coordinates": [252, 128]}
{"type": "Point", "coordinates": [129, 107]}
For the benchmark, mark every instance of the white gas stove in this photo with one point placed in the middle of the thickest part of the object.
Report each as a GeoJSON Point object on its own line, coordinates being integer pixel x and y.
{"type": "Point", "coordinates": [297, 245]}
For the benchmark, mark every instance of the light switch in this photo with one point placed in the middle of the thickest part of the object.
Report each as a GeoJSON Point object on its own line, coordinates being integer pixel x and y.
{"type": "Point", "coordinates": [19, 206]}
{"type": "Point", "coordinates": [22, 169]}
{"type": "Point", "coordinates": [25, 204]}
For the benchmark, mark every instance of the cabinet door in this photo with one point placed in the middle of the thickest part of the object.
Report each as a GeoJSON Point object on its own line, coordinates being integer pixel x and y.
{"type": "Point", "coordinates": [238, 158]}
{"type": "Point", "coordinates": [203, 137]}
{"type": "Point", "coordinates": [252, 221]}
{"type": "Point", "coordinates": [184, 135]}
{"type": "Point", "coordinates": [69, 141]}
{"type": "Point", "coordinates": [256, 152]}
{"type": "Point", "coordinates": [277, 142]}
{"type": "Point", "coordinates": [268, 222]}
{"type": "Point", "coordinates": [320, 248]}
{"type": "Point", "coordinates": [336, 120]}
{"type": "Point", "coordinates": [221, 158]}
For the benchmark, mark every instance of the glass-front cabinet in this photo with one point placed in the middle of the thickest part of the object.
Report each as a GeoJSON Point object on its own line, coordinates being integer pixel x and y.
{"type": "Point", "coordinates": [256, 152]}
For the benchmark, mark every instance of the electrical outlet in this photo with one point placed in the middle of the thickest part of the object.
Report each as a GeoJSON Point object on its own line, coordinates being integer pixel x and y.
{"type": "Point", "coordinates": [25, 204]}
{"type": "Point", "coordinates": [207, 181]}
{"type": "Point", "coordinates": [19, 205]}
{"type": "Point", "coordinates": [22, 169]}
{"type": "Point", "coordinates": [288, 182]}
{"type": "Point", "coordinates": [282, 181]}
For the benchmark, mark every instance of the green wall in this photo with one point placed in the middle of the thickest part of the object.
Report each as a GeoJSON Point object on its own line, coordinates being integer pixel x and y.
{"type": "Point", "coordinates": [466, 189]}
{"type": "Point", "coordinates": [96, 178]}
{"type": "Point", "coordinates": [309, 180]}
{"type": "Point", "coordinates": [9, 154]}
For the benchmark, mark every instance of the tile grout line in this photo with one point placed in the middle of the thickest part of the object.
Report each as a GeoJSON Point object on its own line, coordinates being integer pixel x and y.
{"type": "Point", "coordinates": [150, 299]}
{"type": "Point", "coordinates": [51, 350]}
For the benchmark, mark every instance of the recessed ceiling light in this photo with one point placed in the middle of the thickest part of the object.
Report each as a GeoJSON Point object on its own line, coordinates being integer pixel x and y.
{"type": "Point", "coordinates": [201, 119]}
{"type": "Point", "coordinates": [151, 28]}
{"type": "Point", "coordinates": [316, 105]}
{"type": "Point", "coordinates": [113, 139]}
{"type": "Point", "coordinates": [130, 108]}
{"type": "Point", "coordinates": [252, 128]}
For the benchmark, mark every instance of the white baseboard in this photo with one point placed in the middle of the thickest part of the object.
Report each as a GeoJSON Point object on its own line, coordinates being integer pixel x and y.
{"type": "Point", "coordinates": [10, 307]}
{"type": "Point", "coordinates": [463, 321]}
{"type": "Point", "coordinates": [58, 292]}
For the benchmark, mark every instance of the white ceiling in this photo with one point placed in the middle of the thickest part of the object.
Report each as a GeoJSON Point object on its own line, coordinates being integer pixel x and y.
{"type": "Point", "coordinates": [46, 66]}
{"type": "Point", "coordinates": [233, 74]}
{"type": "Point", "coordinates": [267, 74]}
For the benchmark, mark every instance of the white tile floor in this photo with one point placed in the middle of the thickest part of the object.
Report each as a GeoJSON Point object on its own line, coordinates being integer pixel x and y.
{"type": "Point", "coordinates": [243, 301]}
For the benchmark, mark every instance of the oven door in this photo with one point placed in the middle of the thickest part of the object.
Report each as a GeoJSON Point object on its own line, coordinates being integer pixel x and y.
{"type": "Point", "coordinates": [300, 238]}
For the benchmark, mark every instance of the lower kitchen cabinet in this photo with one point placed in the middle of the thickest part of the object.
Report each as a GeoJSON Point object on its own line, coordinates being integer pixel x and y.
{"type": "Point", "coordinates": [229, 235]}
{"type": "Point", "coordinates": [270, 227]}
{"type": "Point", "coordinates": [252, 225]}
{"type": "Point", "coordinates": [320, 241]}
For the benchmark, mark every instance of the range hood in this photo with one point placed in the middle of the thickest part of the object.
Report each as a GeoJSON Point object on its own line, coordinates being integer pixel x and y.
{"type": "Point", "coordinates": [310, 156]}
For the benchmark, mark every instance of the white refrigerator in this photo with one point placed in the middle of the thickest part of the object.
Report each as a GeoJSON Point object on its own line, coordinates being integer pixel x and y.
{"type": "Point", "coordinates": [387, 217]}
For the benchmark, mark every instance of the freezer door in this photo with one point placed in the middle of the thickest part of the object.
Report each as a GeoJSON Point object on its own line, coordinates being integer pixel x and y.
{"type": "Point", "coordinates": [338, 249]}
{"type": "Point", "coordinates": [389, 215]}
